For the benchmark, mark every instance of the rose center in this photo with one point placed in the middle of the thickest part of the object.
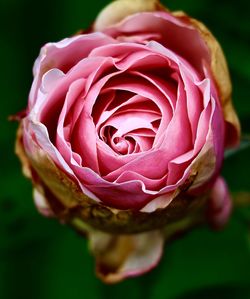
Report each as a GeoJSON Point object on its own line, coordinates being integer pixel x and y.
{"type": "Point", "coordinates": [121, 145]}
{"type": "Point", "coordinates": [126, 122]}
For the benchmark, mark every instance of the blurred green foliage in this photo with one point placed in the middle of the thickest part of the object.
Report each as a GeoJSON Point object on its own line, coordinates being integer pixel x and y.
{"type": "Point", "coordinates": [40, 258]}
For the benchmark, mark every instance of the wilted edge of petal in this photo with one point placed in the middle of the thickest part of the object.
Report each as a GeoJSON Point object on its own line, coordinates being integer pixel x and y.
{"type": "Point", "coordinates": [119, 9]}
{"type": "Point", "coordinates": [21, 154]}
{"type": "Point", "coordinates": [38, 194]}
{"type": "Point", "coordinates": [41, 203]}
{"type": "Point", "coordinates": [122, 256]}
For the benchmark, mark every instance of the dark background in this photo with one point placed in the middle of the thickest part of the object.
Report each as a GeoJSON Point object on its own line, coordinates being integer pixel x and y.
{"type": "Point", "coordinates": [41, 259]}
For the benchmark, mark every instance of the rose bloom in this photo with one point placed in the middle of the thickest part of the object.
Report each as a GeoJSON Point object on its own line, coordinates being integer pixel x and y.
{"type": "Point", "coordinates": [125, 131]}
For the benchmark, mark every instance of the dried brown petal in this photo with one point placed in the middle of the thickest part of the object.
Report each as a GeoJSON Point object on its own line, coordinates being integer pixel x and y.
{"type": "Point", "coordinates": [19, 150]}
{"type": "Point", "coordinates": [122, 256]}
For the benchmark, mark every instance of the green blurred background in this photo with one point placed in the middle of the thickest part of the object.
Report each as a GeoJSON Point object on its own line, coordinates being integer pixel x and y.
{"type": "Point", "coordinates": [39, 258]}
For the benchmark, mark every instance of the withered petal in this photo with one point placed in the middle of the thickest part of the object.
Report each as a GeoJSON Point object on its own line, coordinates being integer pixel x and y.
{"type": "Point", "coordinates": [19, 150]}
{"type": "Point", "coordinates": [117, 10]}
{"type": "Point", "coordinates": [122, 256]}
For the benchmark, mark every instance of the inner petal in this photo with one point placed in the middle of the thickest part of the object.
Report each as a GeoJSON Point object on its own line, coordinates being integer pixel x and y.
{"type": "Point", "coordinates": [125, 121]}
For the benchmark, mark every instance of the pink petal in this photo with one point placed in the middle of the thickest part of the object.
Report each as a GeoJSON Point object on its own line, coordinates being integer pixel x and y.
{"type": "Point", "coordinates": [159, 202]}
{"type": "Point", "coordinates": [62, 139]}
{"type": "Point", "coordinates": [175, 34]}
{"type": "Point", "coordinates": [63, 55]}
{"type": "Point", "coordinates": [151, 184]}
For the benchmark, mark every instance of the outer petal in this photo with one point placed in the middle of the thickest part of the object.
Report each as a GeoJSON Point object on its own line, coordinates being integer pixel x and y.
{"type": "Point", "coordinates": [221, 75]}
{"type": "Point", "coordinates": [122, 256]}
{"type": "Point", "coordinates": [63, 55]}
{"type": "Point", "coordinates": [117, 10]}
{"type": "Point", "coordinates": [19, 150]}
{"type": "Point", "coordinates": [38, 191]}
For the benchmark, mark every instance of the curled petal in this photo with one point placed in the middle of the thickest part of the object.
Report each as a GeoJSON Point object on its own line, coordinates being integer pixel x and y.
{"type": "Point", "coordinates": [221, 75]}
{"type": "Point", "coordinates": [203, 167]}
{"type": "Point", "coordinates": [122, 256]}
{"type": "Point", "coordinates": [63, 56]}
{"type": "Point", "coordinates": [42, 203]}
{"type": "Point", "coordinates": [117, 10]}
{"type": "Point", "coordinates": [21, 153]}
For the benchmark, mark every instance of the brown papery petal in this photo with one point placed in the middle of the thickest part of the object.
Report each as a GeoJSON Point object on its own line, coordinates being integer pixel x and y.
{"type": "Point", "coordinates": [119, 9]}
{"type": "Point", "coordinates": [122, 256]}
{"type": "Point", "coordinates": [19, 150]}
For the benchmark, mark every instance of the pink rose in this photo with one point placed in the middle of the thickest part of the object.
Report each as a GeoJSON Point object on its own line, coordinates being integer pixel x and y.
{"type": "Point", "coordinates": [132, 119]}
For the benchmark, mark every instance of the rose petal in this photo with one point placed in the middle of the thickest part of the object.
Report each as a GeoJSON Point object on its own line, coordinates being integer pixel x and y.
{"type": "Point", "coordinates": [117, 10]}
{"type": "Point", "coordinates": [221, 74]}
{"type": "Point", "coordinates": [42, 204]}
{"type": "Point", "coordinates": [175, 34]}
{"type": "Point", "coordinates": [50, 79]}
{"type": "Point", "coordinates": [64, 55]}
{"type": "Point", "coordinates": [120, 257]}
